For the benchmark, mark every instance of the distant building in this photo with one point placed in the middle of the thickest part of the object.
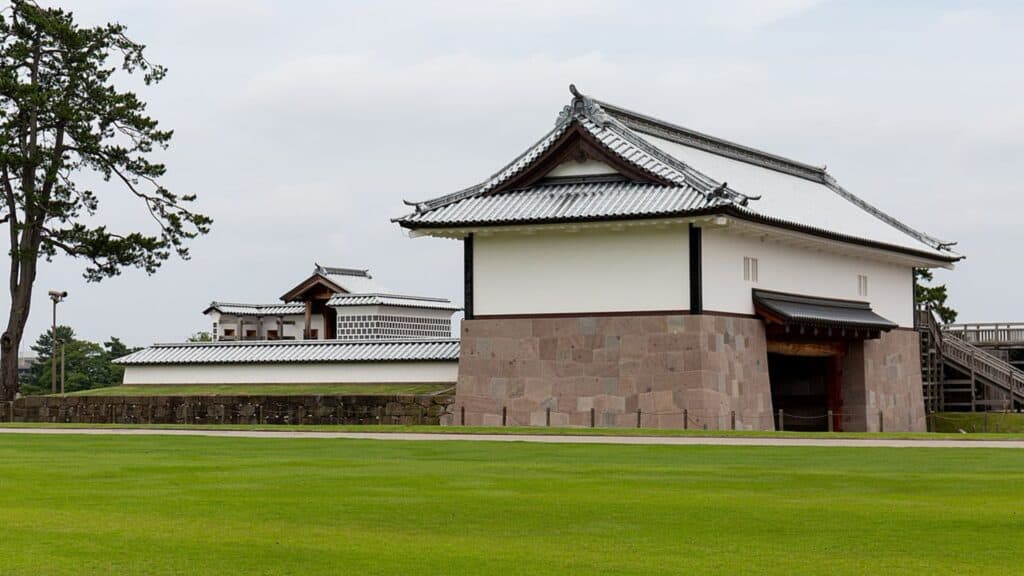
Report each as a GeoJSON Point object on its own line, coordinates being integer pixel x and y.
{"type": "Point", "coordinates": [624, 263]}
{"type": "Point", "coordinates": [334, 304]}
{"type": "Point", "coordinates": [336, 326]}
{"type": "Point", "coordinates": [25, 364]}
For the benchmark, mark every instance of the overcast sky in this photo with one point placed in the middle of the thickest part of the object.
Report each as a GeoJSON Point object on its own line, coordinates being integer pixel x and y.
{"type": "Point", "coordinates": [302, 126]}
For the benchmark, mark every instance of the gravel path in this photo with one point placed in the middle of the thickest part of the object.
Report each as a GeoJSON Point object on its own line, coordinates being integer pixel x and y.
{"type": "Point", "coordinates": [544, 439]}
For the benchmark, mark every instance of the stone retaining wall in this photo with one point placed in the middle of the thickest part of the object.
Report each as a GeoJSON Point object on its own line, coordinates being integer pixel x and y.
{"type": "Point", "coordinates": [884, 375]}
{"type": "Point", "coordinates": [404, 409]}
{"type": "Point", "coordinates": [677, 370]}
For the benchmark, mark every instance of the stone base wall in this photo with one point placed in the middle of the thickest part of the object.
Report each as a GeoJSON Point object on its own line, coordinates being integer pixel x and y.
{"type": "Point", "coordinates": [677, 370]}
{"type": "Point", "coordinates": [884, 375]}
{"type": "Point", "coordinates": [411, 409]}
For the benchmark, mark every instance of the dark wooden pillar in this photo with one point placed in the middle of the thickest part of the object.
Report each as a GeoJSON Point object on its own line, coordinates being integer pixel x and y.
{"type": "Point", "coordinates": [696, 282]}
{"type": "Point", "coordinates": [467, 275]}
{"type": "Point", "coordinates": [307, 330]}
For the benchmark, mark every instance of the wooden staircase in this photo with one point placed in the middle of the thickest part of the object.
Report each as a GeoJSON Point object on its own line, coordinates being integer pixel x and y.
{"type": "Point", "coordinates": [958, 375]}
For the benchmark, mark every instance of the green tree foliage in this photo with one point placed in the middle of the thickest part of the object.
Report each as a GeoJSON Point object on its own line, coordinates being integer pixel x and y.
{"type": "Point", "coordinates": [86, 364]}
{"type": "Point", "coordinates": [63, 122]}
{"type": "Point", "coordinates": [201, 337]}
{"type": "Point", "coordinates": [934, 296]}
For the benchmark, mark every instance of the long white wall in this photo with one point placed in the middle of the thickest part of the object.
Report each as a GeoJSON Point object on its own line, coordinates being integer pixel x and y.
{"type": "Point", "coordinates": [295, 373]}
{"type": "Point", "coordinates": [293, 327]}
{"type": "Point", "coordinates": [604, 270]}
{"type": "Point", "coordinates": [798, 270]}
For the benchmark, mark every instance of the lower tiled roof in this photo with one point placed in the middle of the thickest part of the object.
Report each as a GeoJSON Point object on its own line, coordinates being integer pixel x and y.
{"type": "Point", "coordinates": [809, 310]}
{"type": "Point", "coordinates": [288, 351]}
{"type": "Point", "coordinates": [236, 309]}
{"type": "Point", "coordinates": [561, 202]}
{"type": "Point", "coordinates": [391, 300]}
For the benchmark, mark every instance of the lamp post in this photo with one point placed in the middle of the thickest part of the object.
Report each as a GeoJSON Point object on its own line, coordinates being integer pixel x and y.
{"type": "Point", "coordinates": [56, 296]}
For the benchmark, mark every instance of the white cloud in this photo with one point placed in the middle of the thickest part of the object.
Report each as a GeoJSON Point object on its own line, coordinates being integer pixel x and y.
{"type": "Point", "coordinates": [749, 15]}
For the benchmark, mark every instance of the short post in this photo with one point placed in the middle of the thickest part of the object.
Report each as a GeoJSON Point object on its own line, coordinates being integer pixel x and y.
{"type": "Point", "coordinates": [831, 424]}
{"type": "Point", "coordinates": [504, 415]}
{"type": "Point", "coordinates": [782, 426]}
{"type": "Point", "coordinates": [686, 419]}
{"type": "Point", "coordinates": [547, 416]}
{"type": "Point", "coordinates": [881, 424]}
{"type": "Point", "coordinates": [462, 416]}
{"type": "Point", "coordinates": [732, 420]}
{"type": "Point", "coordinates": [593, 417]}
{"type": "Point", "coordinates": [638, 418]}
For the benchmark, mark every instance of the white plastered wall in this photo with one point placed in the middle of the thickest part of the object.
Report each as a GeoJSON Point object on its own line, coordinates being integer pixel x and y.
{"type": "Point", "coordinates": [588, 167]}
{"type": "Point", "coordinates": [799, 270]}
{"type": "Point", "coordinates": [295, 373]}
{"type": "Point", "coordinates": [551, 272]}
{"type": "Point", "coordinates": [293, 323]}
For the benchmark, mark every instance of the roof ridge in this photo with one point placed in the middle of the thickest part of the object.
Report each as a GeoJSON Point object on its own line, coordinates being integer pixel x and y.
{"type": "Point", "coordinates": [833, 185]}
{"type": "Point", "coordinates": [214, 303]}
{"type": "Point", "coordinates": [342, 271]}
{"type": "Point", "coordinates": [715, 145]}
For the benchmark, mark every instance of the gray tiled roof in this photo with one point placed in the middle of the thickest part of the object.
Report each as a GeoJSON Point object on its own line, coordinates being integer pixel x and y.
{"type": "Point", "coordinates": [288, 351]}
{"type": "Point", "coordinates": [704, 174]}
{"type": "Point", "coordinates": [236, 309]}
{"type": "Point", "coordinates": [610, 132]}
{"type": "Point", "coordinates": [568, 202]}
{"type": "Point", "coordinates": [798, 309]}
{"type": "Point", "coordinates": [391, 300]}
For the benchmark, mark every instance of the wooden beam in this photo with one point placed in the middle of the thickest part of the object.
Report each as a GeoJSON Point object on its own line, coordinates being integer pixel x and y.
{"type": "Point", "coordinates": [805, 348]}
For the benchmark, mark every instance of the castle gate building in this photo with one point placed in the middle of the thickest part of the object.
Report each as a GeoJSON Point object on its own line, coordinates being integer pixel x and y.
{"type": "Point", "coordinates": [624, 264]}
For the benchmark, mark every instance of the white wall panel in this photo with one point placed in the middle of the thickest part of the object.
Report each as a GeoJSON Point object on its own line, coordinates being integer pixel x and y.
{"type": "Point", "coordinates": [799, 270]}
{"type": "Point", "coordinates": [635, 269]}
{"type": "Point", "coordinates": [294, 373]}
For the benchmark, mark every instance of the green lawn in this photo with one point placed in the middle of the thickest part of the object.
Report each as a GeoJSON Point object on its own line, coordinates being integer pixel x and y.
{"type": "Point", "coordinates": [532, 431]}
{"type": "Point", "coordinates": [973, 422]}
{"type": "Point", "coordinates": [178, 505]}
{"type": "Point", "coordinates": [263, 389]}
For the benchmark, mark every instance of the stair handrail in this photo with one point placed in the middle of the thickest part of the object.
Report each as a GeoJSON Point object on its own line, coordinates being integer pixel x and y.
{"type": "Point", "coordinates": [988, 332]}
{"type": "Point", "coordinates": [927, 321]}
{"type": "Point", "coordinates": [1000, 372]}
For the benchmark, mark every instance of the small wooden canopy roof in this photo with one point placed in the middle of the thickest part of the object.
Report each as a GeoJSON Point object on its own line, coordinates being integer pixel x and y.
{"type": "Point", "coordinates": [795, 314]}
{"type": "Point", "coordinates": [327, 281]}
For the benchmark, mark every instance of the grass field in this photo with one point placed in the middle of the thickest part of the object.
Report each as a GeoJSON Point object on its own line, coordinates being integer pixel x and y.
{"type": "Point", "coordinates": [533, 430]}
{"type": "Point", "coordinates": [172, 505]}
{"type": "Point", "coordinates": [973, 422]}
{"type": "Point", "coordinates": [263, 389]}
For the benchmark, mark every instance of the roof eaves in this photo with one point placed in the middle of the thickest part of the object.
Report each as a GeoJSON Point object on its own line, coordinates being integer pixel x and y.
{"type": "Point", "coordinates": [720, 209]}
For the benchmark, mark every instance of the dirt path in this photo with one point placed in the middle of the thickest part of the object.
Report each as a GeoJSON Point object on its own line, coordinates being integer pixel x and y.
{"type": "Point", "coordinates": [636, 440]}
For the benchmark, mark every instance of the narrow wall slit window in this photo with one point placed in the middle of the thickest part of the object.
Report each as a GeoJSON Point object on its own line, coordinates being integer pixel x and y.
{"type": "Point", "coordinates": [862, 285]}
{"type": "Point", "coordinates": [750, 269]}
